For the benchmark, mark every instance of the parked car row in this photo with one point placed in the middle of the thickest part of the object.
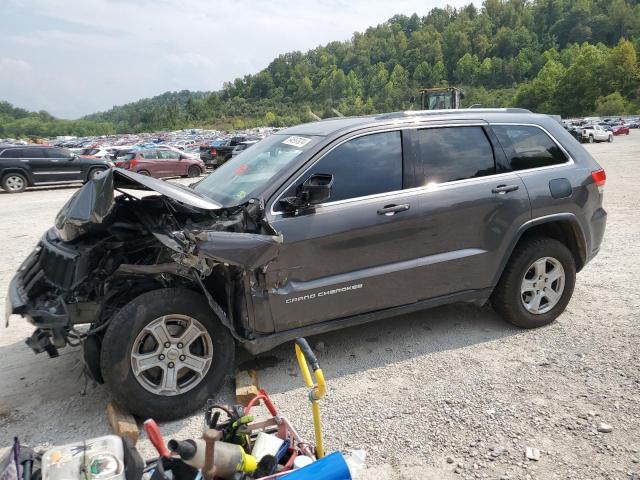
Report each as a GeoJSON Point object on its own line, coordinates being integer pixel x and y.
{"type": "Point", "coordinates": [31, 165]}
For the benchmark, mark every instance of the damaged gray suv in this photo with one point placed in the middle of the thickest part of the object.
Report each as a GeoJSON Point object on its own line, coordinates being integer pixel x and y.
{"type": "Point", "coordinates": [318, 227]}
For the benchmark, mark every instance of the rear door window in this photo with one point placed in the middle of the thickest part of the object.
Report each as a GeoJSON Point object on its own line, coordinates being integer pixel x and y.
{"type": "Point", "coordinates": [151, 155]}
{"type": "Point", "coordinates": [58, 153]}
{"type": "Point", "coordinates": [448, 154]}
{"type": "Point", "coordinates": [527, 146]}
{"type": "Point", "coordinates": [168, 155]}
{"type": "Point", "coordinates": [362, 166]}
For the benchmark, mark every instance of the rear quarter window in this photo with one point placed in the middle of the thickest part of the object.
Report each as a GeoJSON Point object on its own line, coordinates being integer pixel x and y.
{"type": "Point", "coordinates": [528, 146]}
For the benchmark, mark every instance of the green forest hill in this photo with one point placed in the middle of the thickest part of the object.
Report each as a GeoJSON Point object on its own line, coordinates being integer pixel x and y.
{"type": "Point", "coordinates": [567, 57]}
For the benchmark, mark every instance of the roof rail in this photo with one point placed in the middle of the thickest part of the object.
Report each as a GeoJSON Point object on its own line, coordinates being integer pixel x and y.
{"type": "Point", "coordinates": [412, 113]}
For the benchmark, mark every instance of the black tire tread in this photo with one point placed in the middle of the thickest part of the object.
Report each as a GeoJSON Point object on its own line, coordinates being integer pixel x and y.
{"type": "Point", "coordinates": [120, 334]}
{"type": "Point", "coordinates": [505, 298]}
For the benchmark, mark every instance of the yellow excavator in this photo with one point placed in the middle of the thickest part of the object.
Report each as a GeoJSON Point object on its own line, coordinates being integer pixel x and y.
{"type": "Point", "coordinates": [442, 98]}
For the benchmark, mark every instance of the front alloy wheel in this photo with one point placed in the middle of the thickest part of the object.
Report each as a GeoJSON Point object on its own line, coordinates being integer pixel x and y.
{"type": "Point", "coordinates": [171, 355]}
{"type": "Point", "coordinates": [165, 353]}
{"type": "Point", "coordinates": [542, 285]}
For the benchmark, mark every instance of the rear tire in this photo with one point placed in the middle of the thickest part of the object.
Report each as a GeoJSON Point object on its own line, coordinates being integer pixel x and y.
{"type": "Point", "coordinates": [610, 139]}
{"type": "Point", "coordinates": [517, 284]}
{"type": "Point", "coordinates": [130, 339]}
{"type": "Point", "coordinates": [590, 138]}
{"type": "Point", "coordinates": [14, 183]}
{"type": "Point", "coordinates": [144, 172]}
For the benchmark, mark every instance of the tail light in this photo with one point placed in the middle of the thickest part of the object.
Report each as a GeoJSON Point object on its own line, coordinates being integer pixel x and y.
{"type": "Point", "coordinates": [133, 163]}
{"type": "Point", "coordinates": [599, 178]}
{"type": "Point", "coordinates": [214, 151]}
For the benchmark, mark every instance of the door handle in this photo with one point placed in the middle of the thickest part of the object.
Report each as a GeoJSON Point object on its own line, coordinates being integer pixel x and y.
{"type": "Point", "coordinates": [393, 209]}
{"type": "Point", "coordinates": [505, 189]}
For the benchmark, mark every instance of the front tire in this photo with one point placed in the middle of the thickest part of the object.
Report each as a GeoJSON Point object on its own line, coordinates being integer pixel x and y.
{"type": "Point", "coordinates": [165, 353]}
{"type": "Point", "coordinates": [610, 139]}
{"type": "Point", "coordinates": [536, 284]}
{"type": "Point", "coordinates": [194, 172]}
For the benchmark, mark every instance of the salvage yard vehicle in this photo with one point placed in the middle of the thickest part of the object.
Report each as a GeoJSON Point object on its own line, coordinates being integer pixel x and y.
{"type": "Point", "coordinates": [620, 130]}
{"type": "Point", "coordinates": [26, 166]}
{"type": "Point", "coordinates": [161, 162]}
{"type": "Point", "coordinates": [318, 227]}
{"type": "Point", "coordinates": [595, 133]}
{"type": "Point", "coordinates": [220, 151]}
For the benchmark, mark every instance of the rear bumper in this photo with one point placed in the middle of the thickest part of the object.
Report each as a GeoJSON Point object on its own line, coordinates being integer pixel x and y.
{"type": "Point", "coordinates": [598, 224]}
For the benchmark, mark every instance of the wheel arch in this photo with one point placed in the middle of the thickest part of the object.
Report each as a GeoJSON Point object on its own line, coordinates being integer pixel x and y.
{"type": "Point", "coordinates": [21, 171]}
{"type": "Point", "coordinates": [563, 227]}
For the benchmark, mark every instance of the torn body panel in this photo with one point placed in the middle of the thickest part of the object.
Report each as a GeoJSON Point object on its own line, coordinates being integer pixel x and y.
{"type": "Point", "coordinates": [109, 246]}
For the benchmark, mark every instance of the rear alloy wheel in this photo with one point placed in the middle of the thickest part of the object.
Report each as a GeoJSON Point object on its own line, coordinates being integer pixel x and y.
{"type": "Point", "coordinates": [14, 183]}
{"type": "Point", "coordinates": [165, 353]}
{"type": "Point", "coordinates": [542, 285]}
{"type": "Point", "coordinates": [537, 283]}
{"type": "Point", "coordinates": [193, 172]}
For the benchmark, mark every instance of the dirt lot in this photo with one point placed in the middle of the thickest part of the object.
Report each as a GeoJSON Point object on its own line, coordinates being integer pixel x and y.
{"type": "Point", "coordinates": [449, 393]}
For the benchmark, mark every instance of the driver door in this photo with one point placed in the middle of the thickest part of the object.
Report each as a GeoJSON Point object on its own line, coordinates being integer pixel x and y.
{"type": "Point", "coordinates": [353, 253]}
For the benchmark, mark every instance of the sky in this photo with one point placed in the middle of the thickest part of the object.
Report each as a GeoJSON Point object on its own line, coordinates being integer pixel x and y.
{"type": "Point", "coordinates": [74, 57]}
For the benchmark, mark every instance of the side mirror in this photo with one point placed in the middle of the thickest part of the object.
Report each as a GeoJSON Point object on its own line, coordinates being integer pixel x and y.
{"type": "Point", "coordinates": [315, 190]}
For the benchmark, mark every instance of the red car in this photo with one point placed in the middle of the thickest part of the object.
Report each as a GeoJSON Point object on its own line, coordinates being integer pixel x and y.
{"type": "Point", "coordinates": [620, 130]}
{"type": "Point", "coordinates": [161, 163]}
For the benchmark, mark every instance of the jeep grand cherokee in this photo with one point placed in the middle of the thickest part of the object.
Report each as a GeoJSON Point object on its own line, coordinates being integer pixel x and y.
{"type": "Point", "coordinates": [321, 226]}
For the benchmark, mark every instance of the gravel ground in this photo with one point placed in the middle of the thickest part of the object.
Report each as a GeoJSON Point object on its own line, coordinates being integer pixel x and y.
{"type": "Point", "coordinates": [453, 392]}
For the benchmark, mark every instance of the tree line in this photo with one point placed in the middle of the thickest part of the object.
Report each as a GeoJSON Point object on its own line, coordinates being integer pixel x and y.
{"type": "Point", "coordinates": [566, 57]}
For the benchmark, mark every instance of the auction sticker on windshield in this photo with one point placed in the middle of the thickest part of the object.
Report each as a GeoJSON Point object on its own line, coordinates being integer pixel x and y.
{"type": "Point", "coordinates": [296, 141]}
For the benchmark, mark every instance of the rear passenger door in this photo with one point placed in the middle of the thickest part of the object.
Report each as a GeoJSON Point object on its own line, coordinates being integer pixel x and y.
{"type": "Point", "coordinates": [352, 254]}
{"type": "Point", "coordinates": [469, 209]}
{"type": "Point", "coordinates": [541, 162]}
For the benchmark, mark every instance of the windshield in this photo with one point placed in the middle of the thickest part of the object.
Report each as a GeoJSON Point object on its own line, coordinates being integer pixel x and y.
{"type": "Point", "coordinates": [253, 168]}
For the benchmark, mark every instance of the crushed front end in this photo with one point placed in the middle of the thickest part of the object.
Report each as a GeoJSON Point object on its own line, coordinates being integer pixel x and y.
{"type": "Point", "coordinates": [106, 249]}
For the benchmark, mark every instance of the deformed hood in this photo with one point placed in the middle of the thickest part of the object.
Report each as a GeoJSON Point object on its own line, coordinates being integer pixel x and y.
{"type": "Point", "coordinates": [94, 202]}
{"type": "Point", "coordinates": [131, 180]}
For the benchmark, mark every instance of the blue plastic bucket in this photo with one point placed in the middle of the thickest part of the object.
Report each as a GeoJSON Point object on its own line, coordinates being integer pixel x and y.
{"type": "Point", "coordinates": [331, 467]}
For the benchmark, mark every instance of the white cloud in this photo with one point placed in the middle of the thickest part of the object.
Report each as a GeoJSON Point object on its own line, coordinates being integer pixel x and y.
{"type": "Point", "coordinates": [87, 55]}
{"type": "Point", "coordinates": [11, 66]}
